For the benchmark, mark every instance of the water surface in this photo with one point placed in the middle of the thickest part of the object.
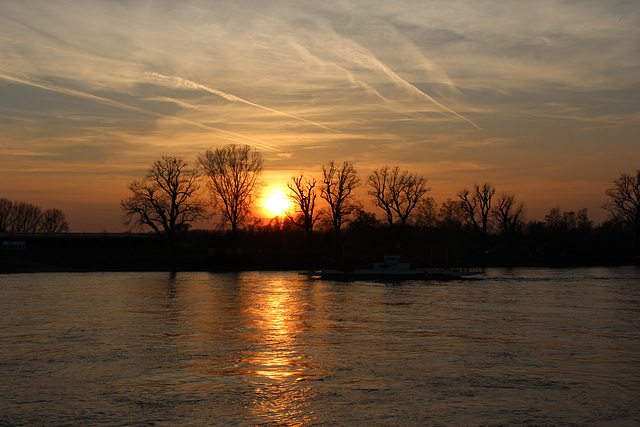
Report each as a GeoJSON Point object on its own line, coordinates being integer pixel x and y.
{"type": "Point", "coordinates": [522, 346]}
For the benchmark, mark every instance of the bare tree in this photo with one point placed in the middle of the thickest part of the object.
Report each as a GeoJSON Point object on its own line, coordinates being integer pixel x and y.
{"type": "Point", "coordinates": [624, 201]}
{"type": "Point", "coordinates": [20, 217]}
{"type": "Point", "coordinates": [24, 217]}
{"type": "Point", "coordinates": [582, 220]}
{"type": "Point", "coordinates": [396, 192]}
{"type": "Point", "coordinates": [6, 210]}
{"type": "Point", "coordinates": [427, 215]}
{"type": "Point", "coordinates": [450, 214]}
{"type": "Point", "coordinates": [509, 215]}
{"type": "Point", "coordinates": [234, 178]}
{"type": "Point", "coordinates": [553, 220]}
{"type": "Point", "coordinates": [476, 206]}
{"type": "Point", "coordinates": [53, 221]}
{"type": "Point", "coordinates": [302, 194]}
{"type": "Point", "coordinates": [338, 184]}
{"type": "Point", "coordinates": [449, 219]}
{"type": "Point", "coordinates": [569, 220]}
{"type": "Point", "coordinates": [165, 199]}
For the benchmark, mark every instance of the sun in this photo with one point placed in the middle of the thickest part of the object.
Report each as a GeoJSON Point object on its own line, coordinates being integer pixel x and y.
{"type": "Point", "coordinates": [275, 202]}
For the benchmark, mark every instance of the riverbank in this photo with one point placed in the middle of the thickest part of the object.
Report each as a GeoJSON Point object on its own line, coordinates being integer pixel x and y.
{"type": "Point", "coordinates": [213, 251]}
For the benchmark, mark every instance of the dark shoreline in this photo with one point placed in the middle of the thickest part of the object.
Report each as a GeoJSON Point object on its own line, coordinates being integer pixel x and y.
{"type": "Point", "coordinates": [214, 252]}
{"type": "Point", "coordinates": [22, 266]}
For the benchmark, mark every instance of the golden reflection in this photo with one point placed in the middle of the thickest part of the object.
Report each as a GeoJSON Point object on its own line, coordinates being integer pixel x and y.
{"type": "Point", "coordinates": [275, 366]}
{"type": "Point", "coordinates": [249, 333]}
{"type": "Point", "coordinates": [272, 313]}
{"type": "Point", "coordinates": [248, 327]}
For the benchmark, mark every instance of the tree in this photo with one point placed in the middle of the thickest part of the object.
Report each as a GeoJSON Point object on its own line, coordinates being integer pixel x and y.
{"type": "Point", "coordinates": [570, 220]}
{"type": "Point", "coordinates": [476, 207]}
{"type": "Point", "coordinates": [624, 202]}
{"type": "Point", "coordinates": [338, 184]}
{"type": "Point", "coordinates": [450, 214]}
{"type": "Point", "coordinates": [21, 217]}
{"type": "Point", "coordinates": [553, 220]}
{"type": "Point", "coordinates": [396, 192]}
{"type": "Point", "coordinates": [165, 199]}
{"type": "Point", "coordinates": [53, 221]}
{"type": "Point", "coordinates": [6, 210]}
{"type": "Point", "coordinates": [24, 217]}
{"type": "Point", "coordinates": [234, 178]}
{"type": "Point", "coordinates": [509, 215]}
{"type": "Point", "coordinates": [564, 221]}
{"type": "Point", "coordinates": [302, 193]}
{"type": "Point", "coordinates": [582, 220]}
{"type": "Point", "coordinates": [449, 220]}
{"type": "Point", "coordinates": [426, 213]}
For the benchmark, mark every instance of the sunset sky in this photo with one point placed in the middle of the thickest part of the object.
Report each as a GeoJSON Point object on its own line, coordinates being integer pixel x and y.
{"type": "Point", "coordinates": [541, 99]}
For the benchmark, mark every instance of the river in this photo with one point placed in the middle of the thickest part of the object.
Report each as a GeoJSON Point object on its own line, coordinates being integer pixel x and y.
{"type": "Point", "coordinates": [517, 346]}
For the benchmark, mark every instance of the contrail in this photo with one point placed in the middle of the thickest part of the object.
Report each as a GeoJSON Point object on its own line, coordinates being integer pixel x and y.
{"type": "Point", "coordinates": [392, 105]}
{"type": "Point", "coordinates": [370, 61]}
{"type": "Point", "coordinates": [43, 84]}
{"type": "Point", "coordinates": [179, 81]}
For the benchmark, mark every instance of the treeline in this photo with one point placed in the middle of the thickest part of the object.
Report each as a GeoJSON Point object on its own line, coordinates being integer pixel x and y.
{"type": "Point", "coordinates": [328, 221]}
{"type": "Point", "coordinates": [22, 217]}
{"type": "Point", "coordinates": [444, 240]}
{"type": "Point", "coordinates": [327, 224]}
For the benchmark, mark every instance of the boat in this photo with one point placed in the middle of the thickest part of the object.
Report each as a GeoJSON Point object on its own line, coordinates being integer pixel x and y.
{"type": "Point", "coordinates": [391, 269]}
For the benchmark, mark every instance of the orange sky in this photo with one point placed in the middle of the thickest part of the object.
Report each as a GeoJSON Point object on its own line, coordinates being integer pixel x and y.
{"type": "Point", "coordinates": [542, 99]}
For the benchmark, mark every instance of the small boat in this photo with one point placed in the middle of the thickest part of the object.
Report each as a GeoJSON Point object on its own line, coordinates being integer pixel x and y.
{"type": "Point", "coordinates": [391, 269]}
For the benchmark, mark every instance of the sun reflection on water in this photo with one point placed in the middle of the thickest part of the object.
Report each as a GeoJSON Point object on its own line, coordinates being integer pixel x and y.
{"type": "Point", "coordinates": [276, 366]}
{"type": "Point", "coordinates": [250, 335]}
{"type": "Point", "coordinates": [272, 314]}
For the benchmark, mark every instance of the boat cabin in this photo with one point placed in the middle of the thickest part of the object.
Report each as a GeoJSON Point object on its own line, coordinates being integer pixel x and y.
{"type": "Point", "coordinates": [391, 262]}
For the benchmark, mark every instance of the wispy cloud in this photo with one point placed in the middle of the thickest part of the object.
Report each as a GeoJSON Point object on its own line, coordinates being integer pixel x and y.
{"type": "Point", "coordinates": [349, 50]}
{"type": "Point", "coordinates": [43, 84]}
{"type": "Point", "coordinates": [185, 83]}
{"type": "Point", "coordinates": [457, 90]}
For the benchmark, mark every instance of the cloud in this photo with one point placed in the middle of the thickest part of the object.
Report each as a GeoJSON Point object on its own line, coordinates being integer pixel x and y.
{"type": "Point", "coordinates": [43, 84]}
{"type": "Point", "coordinates": [100, 85]}
{"type": "Point", "coordinates": [181, 82]}
{"type": "Point", "coordinates": [356, 55]}
{"type": "Point", "coordinates": [398, 106]}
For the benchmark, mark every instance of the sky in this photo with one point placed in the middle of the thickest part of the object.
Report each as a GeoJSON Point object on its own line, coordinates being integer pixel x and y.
{"type": "Point", "coordinates": [540, 99]}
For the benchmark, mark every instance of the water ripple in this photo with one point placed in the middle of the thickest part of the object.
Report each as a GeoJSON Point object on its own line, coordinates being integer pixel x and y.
{"type": "Point", "coordinates": [521, 346]}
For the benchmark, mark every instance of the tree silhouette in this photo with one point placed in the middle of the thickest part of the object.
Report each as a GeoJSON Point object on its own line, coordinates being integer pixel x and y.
{"type": "Point", "coordinates": [338, 184]}
{"type": "Point", "coordinates": [450, 215]}
{"type": "Point", "coordinates": [624, 203]}
{"type": "Point", "coordinates": [234, 177]}
{"type": "Point", "coordinates": [21, 217]}
{"type": "Point", "coordinates": [426, 215]}
{"type": "Point", "coordinates": [302, 194]}
{"type": "Point", "coordinates": [476, 207]}
{"type": "Point", "coordinates": [449, 221]}
{"type": "Point", "coordinates": [553, 220]}
{"type": "Point", "coordinates": [582, 220]}
{"type": "Point", "coordinates": [396, 192]}
{"type": "Point", "coordinates": [165, 199]}
{"type": "Point", "coordinates": [53, 221]}
{"type": "Point", "coordinates": [508, 215]}
{"type": "Point", "coordinates": [6, 209]}
{"type": "Point", "coordinates": [24, 217]}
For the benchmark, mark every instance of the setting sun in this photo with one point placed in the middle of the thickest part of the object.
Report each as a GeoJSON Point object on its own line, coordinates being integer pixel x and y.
{"type": "Point", "coordinates": [275, 202]}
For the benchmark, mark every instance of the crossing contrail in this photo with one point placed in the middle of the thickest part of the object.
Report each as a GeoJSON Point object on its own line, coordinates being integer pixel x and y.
{"type": "Point", "coordinates": [360, 56]}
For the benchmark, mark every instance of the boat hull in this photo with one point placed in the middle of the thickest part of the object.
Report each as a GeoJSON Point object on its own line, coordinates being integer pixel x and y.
{"type": "Point", "coordinates": [416, 274]}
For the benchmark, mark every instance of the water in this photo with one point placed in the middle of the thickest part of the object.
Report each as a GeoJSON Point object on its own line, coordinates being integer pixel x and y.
{"type": "Point", "coordinates": [523, 346]}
